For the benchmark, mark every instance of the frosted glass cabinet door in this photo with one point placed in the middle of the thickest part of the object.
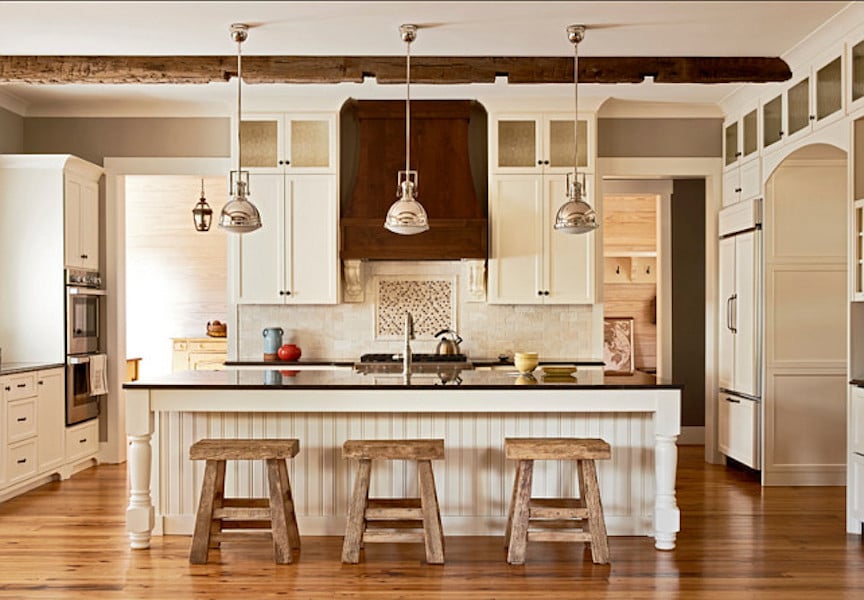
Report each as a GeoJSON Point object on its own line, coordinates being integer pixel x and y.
{"type": "Point", "coordinates": [261, 138]}
{"type": "Point", "coordinates": [289, 143]}
{"type": "Point", "coordinates": [829, 89]}
{"type": "Point", "coordinates": [560, 144]}
{"type": "Point", "coordinates": [538, 143]}
{"type": "Point", "coordinates": [517, 145]}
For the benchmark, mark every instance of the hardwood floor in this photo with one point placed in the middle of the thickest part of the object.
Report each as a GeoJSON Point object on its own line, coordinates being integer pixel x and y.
{"type": "Point", "coordinates": [738, 540]}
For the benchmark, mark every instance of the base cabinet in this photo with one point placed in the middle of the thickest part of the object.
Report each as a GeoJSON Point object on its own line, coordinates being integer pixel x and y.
{"type": "Point", "coordinates": [37, 445]}
{"type": "Point", "coordinates": [855, 463]}
{"type": "Point", "coordinates": [738, 429]}
{"type": "Point", "coordinates": [199, 354]}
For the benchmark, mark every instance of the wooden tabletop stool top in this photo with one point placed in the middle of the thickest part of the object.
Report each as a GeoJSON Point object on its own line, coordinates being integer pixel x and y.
{"type": "Point", "coordinates": [557, 449]}
{"type": "Point", "coordinates": [243, 449]}
{"type": "Point", "coordinates": [394, 449]}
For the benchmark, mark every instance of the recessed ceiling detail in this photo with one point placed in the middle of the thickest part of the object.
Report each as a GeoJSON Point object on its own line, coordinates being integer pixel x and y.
{"type": "Point", "coordinates": [388, 69]}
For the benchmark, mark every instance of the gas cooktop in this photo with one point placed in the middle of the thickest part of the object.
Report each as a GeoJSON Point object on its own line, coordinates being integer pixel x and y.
{"type": "Point", "coordinates": [424, 358]}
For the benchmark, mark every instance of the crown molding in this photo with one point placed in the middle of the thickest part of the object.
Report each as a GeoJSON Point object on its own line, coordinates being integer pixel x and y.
{"type": "Point", "coordinates": [13, 103]}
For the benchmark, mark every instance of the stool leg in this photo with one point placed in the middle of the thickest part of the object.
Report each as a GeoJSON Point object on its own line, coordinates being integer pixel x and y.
{"type": "Point", "coordinates": [510, 511]}
{"type": "Point", "coordinates": [357, 514]}
{"type": "Point", "coordinates": [201, 537]}
{"type": "Point", "coordinates": [293, 530]}
{"type": "Point", "coordinates": [432, 531]}
{"type": "Point", "coordinates": [278, 518]}
{"type": "Point", "coordinates": [218, 503]}
{"type": "Point", "coordinates": [521, 513]}
{"type": "Point", "coordinates": [590, 490]}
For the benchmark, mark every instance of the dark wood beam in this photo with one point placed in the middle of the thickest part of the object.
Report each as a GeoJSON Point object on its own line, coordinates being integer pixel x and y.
{"type": "Point", "coordinates": [389, 69]}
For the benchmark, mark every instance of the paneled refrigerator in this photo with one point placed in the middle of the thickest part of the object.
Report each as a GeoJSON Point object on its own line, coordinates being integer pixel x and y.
{"type": "Point", "coordinates": [740, 335]}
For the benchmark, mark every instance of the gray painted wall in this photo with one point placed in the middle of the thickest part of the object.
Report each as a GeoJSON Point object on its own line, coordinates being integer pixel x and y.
{"type": "Point", "coordinates": [95, 138]}
{"type": "Point", "coordinates": [646, 138]}
{"type": "Point", "coordinates": [11, 132]}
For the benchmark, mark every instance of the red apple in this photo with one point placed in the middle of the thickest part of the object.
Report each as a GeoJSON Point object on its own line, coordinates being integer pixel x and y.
{"type": "Point", "coordinates": [288, 352]}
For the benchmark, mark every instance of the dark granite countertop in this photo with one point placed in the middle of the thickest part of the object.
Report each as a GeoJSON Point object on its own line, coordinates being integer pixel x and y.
{"type": "Point", "coordinates": [858, 382]}
{"type": "Point", "coordinates": [279, 364]}
{"type": "Point", "coordinates": [493, 362]}
{"type": "Point", "coordinates": [285, 378]}
{"type": "Point", "coordinates": [11, 368]}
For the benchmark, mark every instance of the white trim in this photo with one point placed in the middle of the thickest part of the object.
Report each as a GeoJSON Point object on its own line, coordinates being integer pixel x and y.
{"type": "Point", "coordinates": [116, 170]}
{"type": "Point", "coordinates": [712, 170]}
{"type": "Point", "coordinates": [13, 103]}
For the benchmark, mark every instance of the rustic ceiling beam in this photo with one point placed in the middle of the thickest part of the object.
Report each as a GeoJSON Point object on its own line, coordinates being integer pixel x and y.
{"type": "Point", "coordinates": [389, 69]}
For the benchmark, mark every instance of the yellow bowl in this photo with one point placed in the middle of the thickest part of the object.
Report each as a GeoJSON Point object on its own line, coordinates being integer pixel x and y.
{"type": "Point", "coordinates": [525, 362]}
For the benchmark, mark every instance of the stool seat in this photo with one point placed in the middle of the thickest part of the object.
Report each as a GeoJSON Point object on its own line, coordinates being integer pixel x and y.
{"type": "Point", "coordinates": [216, 513]}
{"type": "Point", "coordinates": [394, 519]}
{"type": "Point", "coordinates": [556, 519]}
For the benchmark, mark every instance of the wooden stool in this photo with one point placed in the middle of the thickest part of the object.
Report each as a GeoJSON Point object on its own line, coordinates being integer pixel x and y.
{"type": "Point", "coordinates": [369, 518]}
{"type": "Point", "coordinates": [217, 513]}
{"type": "Point", "coordinates": [557, 514]}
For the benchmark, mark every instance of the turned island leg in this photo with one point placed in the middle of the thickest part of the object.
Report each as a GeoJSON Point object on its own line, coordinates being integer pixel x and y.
{"type": "Point", "coordinates": [139, 428]}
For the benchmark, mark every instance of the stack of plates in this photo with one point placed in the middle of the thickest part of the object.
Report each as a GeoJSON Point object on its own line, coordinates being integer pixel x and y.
{"type": "Point", "coordinates": [559, 373]}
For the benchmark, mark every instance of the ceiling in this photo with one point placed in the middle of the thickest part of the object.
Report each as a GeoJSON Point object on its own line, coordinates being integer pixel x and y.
{"type": "Point", "coordinates": [371, 28]}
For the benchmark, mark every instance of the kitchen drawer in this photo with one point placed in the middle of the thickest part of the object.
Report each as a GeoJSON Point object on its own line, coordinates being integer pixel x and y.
{"type": "Point", "coordinates": [21, 461]}
{"type": "Point", "coordinates": [21, 420]}
{"type": "Point", "coordinates": [181, 346]}
{"type": "Point", "coordinates": [738, 429]}
{"type": "Point", "coordinates": [20, 386]}
{"type": "Point", "coordinates": [82, 440]}
{"type": "Point", "coordinates": [208, 346]}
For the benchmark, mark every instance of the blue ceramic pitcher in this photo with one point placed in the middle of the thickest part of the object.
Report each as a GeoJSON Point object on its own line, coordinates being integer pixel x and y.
{"type": "Point", "coordinates": [272, 339]}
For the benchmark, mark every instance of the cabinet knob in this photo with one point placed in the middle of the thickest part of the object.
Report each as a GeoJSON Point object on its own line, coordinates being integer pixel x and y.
{"type": "Point", "coordinates": [8, 389]}
{"type": "Point", "coordinates": [812, 117]}
{"type": "Point", "coordinates": [546, 293]}
{"type": "Point", "coordinates": [281, 292]}
{"type": "Point", "coordinates": [539, 162]}
{"type": "Point", "coordinates": [84, 256]}
{"type": "Point", "coordinates": [781, 133]}
{"type": "Point", "coordinates": [281, 162]}
{"type": "Point", "coordinates": [545, 162]}
{"type": "Point", "coordinates": [539, 293]}
{"type": "Point", "coordinates": [737, 190]}
{"type": "Point", "coordinates": [287, 292]}
{"type": "Point", "coordinates": [737, 154]}
{"type": "Point", "coordinates": [40, 382]}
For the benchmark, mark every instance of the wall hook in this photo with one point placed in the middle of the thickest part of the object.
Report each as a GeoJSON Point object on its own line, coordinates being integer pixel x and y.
{"type": "Point", "coordinates": [618, 269]}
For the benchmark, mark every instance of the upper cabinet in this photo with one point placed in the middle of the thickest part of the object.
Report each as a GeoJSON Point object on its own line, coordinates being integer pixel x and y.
{"type": "Point", "coordinates": [539, 143]}
{"type": "Point", "coordinates": [855, 73]}
{"type": "Point", "coordinates": [740, 157]}
{"type": "Point", "coordinates": [289, 143]}
{"type": "Point", "coordinates": [82, 221]}
{"type": "Point", "coordinates": [816, 99]}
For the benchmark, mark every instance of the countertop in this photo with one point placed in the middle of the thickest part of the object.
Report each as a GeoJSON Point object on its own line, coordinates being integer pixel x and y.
{"type": "Point", "coordinates": [348, 362]}
{"type": "Point", "coordinates": [276, 379]}
{"type": "Point", "coordinates": [11, 368]}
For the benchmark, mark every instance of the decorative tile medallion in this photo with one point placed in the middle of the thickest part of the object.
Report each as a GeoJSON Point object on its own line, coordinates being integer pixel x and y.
{"type": "Point", "coordinates": [431, 301]}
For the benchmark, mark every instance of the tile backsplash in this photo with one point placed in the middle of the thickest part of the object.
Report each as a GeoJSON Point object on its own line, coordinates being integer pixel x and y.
{"type": "Point", "coordinates": [434, 293]}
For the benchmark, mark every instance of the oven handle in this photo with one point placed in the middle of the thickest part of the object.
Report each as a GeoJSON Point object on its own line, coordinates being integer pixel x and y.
{"type": "Point", "coordinates": [80, 291]}
{"type": "Point", "coordinates": [78, 360]}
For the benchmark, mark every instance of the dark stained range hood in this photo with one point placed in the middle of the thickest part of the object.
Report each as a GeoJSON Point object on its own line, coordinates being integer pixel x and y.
{"type": "Point", "coordinates": [448, 150]}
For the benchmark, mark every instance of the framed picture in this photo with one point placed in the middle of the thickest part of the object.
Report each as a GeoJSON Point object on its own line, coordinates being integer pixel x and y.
{"type": "Point", "coordinates": [618, 345]}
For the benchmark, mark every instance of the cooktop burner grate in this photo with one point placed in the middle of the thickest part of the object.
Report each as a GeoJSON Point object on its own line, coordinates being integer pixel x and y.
{"type": "Point", "coordinates": [434, 358]}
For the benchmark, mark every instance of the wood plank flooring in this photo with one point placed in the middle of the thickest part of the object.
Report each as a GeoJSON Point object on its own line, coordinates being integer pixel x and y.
{"type": "Point", "coordinates": [738, 540]}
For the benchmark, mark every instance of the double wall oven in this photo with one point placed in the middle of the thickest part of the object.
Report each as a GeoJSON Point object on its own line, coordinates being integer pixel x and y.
{"type": "Point", "coordinates": [84, 297]}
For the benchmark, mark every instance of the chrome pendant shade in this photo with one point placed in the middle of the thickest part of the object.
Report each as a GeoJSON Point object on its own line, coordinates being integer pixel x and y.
{"type": "Point", "coordinates": [239, 215]}
{"type": "Point", "coordinates": [202, 214]}
{"type": "Point", "coordinates": [407, 216]}
{"type": "Point", "coordinates": [576, 215]}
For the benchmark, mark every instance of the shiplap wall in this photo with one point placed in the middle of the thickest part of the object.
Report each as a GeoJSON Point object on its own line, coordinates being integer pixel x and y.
{"type": "Point", "coordinates": [474, 481]}
{"type": "Point", "coordinates": [176, 277]}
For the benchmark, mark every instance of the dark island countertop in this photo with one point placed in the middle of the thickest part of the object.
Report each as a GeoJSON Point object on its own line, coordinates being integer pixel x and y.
{"type": "Point", "coordinates": [12, 368]}
{"type": "Point", "coordinates": [285, 378]}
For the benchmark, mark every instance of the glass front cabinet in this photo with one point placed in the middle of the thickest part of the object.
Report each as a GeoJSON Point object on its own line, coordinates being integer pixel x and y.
{"type": "Point", "coordinates": [539, 143]}
{"type": "Point", "coordinates": [288, 143]}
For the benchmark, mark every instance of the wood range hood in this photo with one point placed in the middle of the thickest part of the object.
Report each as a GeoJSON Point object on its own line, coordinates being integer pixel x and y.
{"type": "Point", "coordinates": [448, 150]}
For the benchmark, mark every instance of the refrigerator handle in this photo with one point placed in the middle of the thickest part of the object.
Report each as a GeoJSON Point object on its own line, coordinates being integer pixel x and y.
{"type": "Point", "coordinates": [729, 314]}
{"type": "Point", "coordinates": [734, 304]}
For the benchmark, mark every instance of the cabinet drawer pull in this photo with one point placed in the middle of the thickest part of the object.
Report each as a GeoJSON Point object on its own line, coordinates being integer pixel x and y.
{"type": "Point", "coordinates": [859, 454]}
{"type": "Point", "coordinates": [40, 382]}
{"type": "Point", "coordinates": [84, 441]}
{"type": "Point", "coordinates": [22, 419]}
{"type": "Point", "coordinates": [22, 385]}
{"type": "Point", "coordinates": [734, 400]}
{"type": "Point", "coordinates": [21, 461]}
{"type": "Point", "coordinates": [8, 389]}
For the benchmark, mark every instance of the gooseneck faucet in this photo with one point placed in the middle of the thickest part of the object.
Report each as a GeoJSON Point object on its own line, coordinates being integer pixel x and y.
{"type": "Point", "coordinates": [406, 351]}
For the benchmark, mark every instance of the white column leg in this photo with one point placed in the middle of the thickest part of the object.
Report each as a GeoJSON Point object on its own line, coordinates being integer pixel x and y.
{"type": "Point", "coordinates": [139, 513]}
{"type": "Point", "coordinates": [667, 518]}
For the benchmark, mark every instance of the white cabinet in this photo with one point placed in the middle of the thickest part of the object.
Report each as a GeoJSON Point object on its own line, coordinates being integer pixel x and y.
{"type": "Point", "coordinates": [737, 339]}
{"type": "Point", "coordinates": [51, 418]}
{"type": "Point", "coordinates": [816, 99]}
{"type": "Point", "coordinates": [293, 258]}
{"type": "Point", "coordinates": [738, 429]}
{"type": "Point", "coordinates": [82, 441]}
{"type": "Point", "coordinates": [289, 143]}
{"type": "Point", "coordinates": [741, 138]}
{"type": "Point", "coordinates": [82, 222]}
{"type": "Point", "coordinates": [530, 262]}
{"type": "Point", "coordinates": [855, 73]}
{"type": "Point", "coordinates": [855, 462]}
{"type": "Point", "coordinates": [742, 182]}
{"type": "Point", "coordinates": [199, 354]}
{"type": "Point", "coordinates": [539, 143]}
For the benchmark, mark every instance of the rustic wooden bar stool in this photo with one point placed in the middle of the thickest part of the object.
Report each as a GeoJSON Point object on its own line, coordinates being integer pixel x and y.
{"type": "Point", "coordinates": [556, 519]}
{"type": "Point", "coordinates": [217, 513]}
{"type": "Point", "coordinates": [394, 519]}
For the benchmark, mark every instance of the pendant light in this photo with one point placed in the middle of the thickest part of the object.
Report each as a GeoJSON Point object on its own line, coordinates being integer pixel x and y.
{"type": "Point", "coordinates": [576, 215]}
{"type": "Point", "coordinates": [239, 215]}
{"type": "Point", "coordinates": [407, 216]}
{"type": "Point", "coordinates": [202, 214]}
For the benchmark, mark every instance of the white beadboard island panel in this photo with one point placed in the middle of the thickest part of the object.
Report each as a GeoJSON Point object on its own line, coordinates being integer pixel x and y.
{"type": "Point", "coordinates": [474, 480]}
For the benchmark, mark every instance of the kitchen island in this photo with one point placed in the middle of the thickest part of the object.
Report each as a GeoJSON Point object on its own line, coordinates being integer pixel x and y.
{"type": "Point", "coordinates": [473, 411]}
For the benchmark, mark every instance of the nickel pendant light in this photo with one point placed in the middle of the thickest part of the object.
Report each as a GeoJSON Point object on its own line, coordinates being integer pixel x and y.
{"type": "Point", "coordinates": [407, 216]}
{"type": "Point", "coordinates": [239, 215]}
{"type": "Point", "coordinates": [202, 214]}
{"type": "Point", "coordinates": [576, 215]}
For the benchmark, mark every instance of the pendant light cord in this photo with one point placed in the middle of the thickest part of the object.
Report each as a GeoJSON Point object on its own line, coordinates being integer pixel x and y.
{"type": "Point", "coordinates": [408, 106]}
{"type": "Point", "coordinates": [575, 108]}
{"type": "Point", "coordinates": [239, 106]}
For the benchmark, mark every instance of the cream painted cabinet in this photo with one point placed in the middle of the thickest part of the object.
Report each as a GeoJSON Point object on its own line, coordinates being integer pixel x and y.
{"type": "Point", "coordinates": [816, 99]}
{"type": "Point", "coordinates": [289, 143]}
{"type": "Point", "coordinates": [539, 143]}
{"type": "Point", "coordinates": [738, 427]}
{"type": "Point", "coordinates": [293, 258]}
{"type": "Point", "coordinates": [51, 418]}
{"type": "Point", "coordinates": [199, 354]}
{"type": "Point", "coordinates": [82, 222]}
{"type": "Point", "coordinates": [855, 464]}
{"type": "Point", "coordinates": [530, 262]}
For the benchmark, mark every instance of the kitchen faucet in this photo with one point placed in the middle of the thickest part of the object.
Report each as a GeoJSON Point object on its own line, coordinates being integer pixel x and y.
{"type": "Point", "coordinates": [406, 352]}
